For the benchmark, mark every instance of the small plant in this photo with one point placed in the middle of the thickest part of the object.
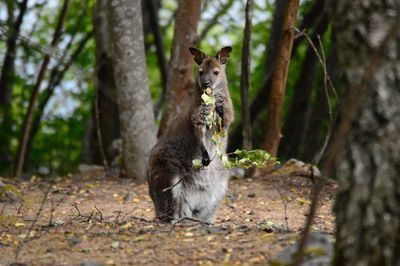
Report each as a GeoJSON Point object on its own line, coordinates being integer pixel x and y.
{"type": "Point", "coordinates": [239, 158]}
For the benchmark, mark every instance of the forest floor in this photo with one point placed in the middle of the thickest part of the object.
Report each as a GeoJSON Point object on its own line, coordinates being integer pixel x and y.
{"type": "Point", "coordinates": [90, 219]}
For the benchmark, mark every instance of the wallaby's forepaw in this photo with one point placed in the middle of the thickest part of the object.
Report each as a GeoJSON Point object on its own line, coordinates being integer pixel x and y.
{"type": "Point", "coordinates": [220, 112]}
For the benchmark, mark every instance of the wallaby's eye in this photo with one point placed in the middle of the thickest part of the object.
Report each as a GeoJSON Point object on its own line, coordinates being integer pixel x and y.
{"type": "Point", "coordinates": [216, 73]}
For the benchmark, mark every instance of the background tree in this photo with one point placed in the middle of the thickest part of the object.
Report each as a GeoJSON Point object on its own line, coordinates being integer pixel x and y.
{"type": "Point", "coordinates": [365, 143]}
{"type": "Point", "coordinates": [28, 119]}
{"type": "Point", "coordinates": [130, 74]}
{"type": "Point", "coordinates": [106, 90]}
{"type": "Point", "coordinates": [279, 77]}
{"type": "Point", "coordinates": [7, 77]}
{"type": "Point", "coordinates": [180, 75]}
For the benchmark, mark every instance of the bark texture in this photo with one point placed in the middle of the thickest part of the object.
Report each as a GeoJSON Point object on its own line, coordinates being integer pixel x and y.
{"type": "Point", "coordinates": [300, 109]}
{"type": "Point", "coordinates": [105, 86]}
{"type": "Point", "coordinates": [180, 75]}
{"type": "Point", "coordinates": [258, 104]}
{"type": "Point", "coordinates": [7, 79]}
{"type": "Point", "coordinates": [135, 106]}
{"type": "Point", "coordinates": [275, 103]}
{"type": "Point", "coordinates": [367, 38]}
{"type": "Point", "coordinates": [245, 80]}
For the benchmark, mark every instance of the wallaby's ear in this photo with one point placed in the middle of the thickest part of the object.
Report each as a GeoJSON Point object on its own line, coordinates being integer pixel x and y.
{"type": "Point", "coordinates": [223, 54]}
{"type": "Point", "coordinates": [199, 56]}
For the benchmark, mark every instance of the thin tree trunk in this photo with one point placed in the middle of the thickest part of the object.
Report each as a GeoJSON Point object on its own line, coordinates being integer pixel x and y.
{"type": "Point", "coordinates": [365, 145]}
{"type": "Point", "coordinates": [55, 80]}
{"type": "Point", "coordinates": [235, 138]}
{"type": "Point", "coordinates": [6, 79]}
{"type": "Point", "coordinates": [180, 76]}
{"type": "Point", "coordinates": [160, 51]}
{"type": "Point", "coordinates": [7, 70]}
{"type": "Point", "coordinates": [27, 123]}
{"type": "Point", "coordinates": [135, 106]}
{"type": "Point", "coordinates": [300, 107]}
{"type": "Point", "coordinates": [244, 81]}
{"type": "Point", "coordinates": [275, 104]}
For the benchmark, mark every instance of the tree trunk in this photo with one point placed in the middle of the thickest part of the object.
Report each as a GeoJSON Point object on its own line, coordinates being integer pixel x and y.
{"type": "Point", "coordinates": [300, 108]}
{"type": "Point", "coordinates": [6, 80]}
{"type": "Point", "coordinates": [129, 66]}
{"type": "Point", "coordinates": [258, 104]}
{"type": "Point", "coordinates": [275, 103]}
{"type": "Point", "coordinates": [244, 81]}
{"type": "Point", "coordinates": [152, 6]}
{"type": "Point", "coordinates": [367, 38]}
{"type": "Point", "coordinates": [55, 79]}
{"type": "Point", "coordinates": [28, 119]}
{"type": "Point", "coordinates": [180, 75]}
{"type": "Point", "coordinates": [105, 85]}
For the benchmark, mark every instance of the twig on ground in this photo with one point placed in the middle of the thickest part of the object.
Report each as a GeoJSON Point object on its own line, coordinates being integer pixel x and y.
{"type": "Point", "coordinates": [192, 220]}
{"type": "Point", "coordinates": [53, 208]}
{"type": "Point", "coordinates": [35, 220]}
{"type": "Point", "coordinates": [284, 202]}
{"type": "Point", "coordinates": [100, 213]}
{"type": "Point", "coordinates": [2, 209]}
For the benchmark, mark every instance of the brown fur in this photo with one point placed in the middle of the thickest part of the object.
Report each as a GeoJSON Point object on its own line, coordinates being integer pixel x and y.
{"type": "Point", "coordinates": [188, 138]}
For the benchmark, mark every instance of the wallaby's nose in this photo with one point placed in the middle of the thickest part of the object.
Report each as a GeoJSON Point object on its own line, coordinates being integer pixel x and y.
{"type": "Point", "coordinates": [206, 83]}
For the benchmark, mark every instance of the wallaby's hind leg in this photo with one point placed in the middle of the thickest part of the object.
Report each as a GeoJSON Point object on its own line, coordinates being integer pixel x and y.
{"type": "Point", "coordinates": [163, 200]}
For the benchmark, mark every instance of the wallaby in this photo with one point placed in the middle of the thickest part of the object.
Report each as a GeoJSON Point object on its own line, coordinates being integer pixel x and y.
{"type": "Point", "coordinates": [194, 193]}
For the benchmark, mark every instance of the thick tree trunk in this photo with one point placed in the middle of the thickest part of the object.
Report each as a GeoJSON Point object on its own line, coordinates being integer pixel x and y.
{"type": "Point", "coordinates": [275, 103]}
{"type": "Point", "coordinates": [135, 106]}
{"type": "Point", "coordinates": [367, 38]}
{"type": "Point", "coordinates": [180, 75]}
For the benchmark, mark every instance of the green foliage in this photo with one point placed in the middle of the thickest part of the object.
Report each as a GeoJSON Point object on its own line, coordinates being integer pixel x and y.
{"type": "Point", "coordinates": [239, 158]}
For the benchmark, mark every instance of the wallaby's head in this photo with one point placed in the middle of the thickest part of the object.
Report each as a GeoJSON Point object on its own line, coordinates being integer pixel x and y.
{"type": "Point", "coordinates": [211, 71]}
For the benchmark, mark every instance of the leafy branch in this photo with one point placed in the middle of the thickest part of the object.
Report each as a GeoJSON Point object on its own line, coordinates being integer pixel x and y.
{"type": "Point", "coordinates": [237, 159]}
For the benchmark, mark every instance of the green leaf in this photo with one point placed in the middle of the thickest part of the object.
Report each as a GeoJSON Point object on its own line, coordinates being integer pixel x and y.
{"type": "Point", "coordinates": [209, 100]}
{"type": "Point", "coordinates": [196, 164]}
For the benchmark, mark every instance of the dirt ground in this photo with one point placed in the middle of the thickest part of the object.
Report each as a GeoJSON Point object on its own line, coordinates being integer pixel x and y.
{"type": "Point", "coordinates": [85, 219]}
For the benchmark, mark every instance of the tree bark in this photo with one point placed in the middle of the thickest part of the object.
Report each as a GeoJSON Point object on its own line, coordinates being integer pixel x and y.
{"type": "Point", "coordinates": [105, 86]}
{"type": "Point", "coordinates": [275, 103]}
{"type": "Point", "coordinates": [160, 52]}
{"type": "Point", "coordinates": [27, 123]}
{"type": "Point", "coordinates": [258, 104]}
{"type": "Point", "coordinates": [365, 145]}
{"type": "Point", "coordinates": [6, 79]}
{"type": "Point", "coordinates": [135, 106]}
{"type": "Point", "coordinates": [300, 108]}
{"type": "Point", "coordinates": [180, 75]}
{"type": "Point", "coordinates": [244, 81]}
